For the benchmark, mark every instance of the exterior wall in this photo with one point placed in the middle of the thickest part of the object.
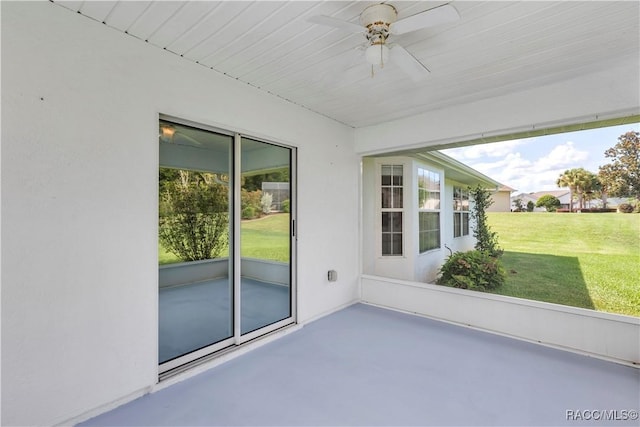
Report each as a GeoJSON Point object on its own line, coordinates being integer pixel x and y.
{"type": "Point", "coordinates": [412, 265]}
{"type": "Point", "coordinates": [501, 202]}
{"type": "Point", "coordinates": [373, 262]}
{"type": "Point", "coordinates": [368, 214]}
{"type": "Point", "coordinates": [456, 244]}
{"type": "Point", "coordinates": [80, 105]}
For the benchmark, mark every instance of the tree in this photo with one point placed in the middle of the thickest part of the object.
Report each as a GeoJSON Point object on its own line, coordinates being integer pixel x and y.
{"type": "Point", "coordinates": [621, 177]}
{"type": "Point", "coordinates": [587, 184]}
{"type": "Point", "coordinates": [486, 240]}
{"type": "Point", "coordinates": [568, 179]}
{"type": "Point", "coordinates": [194, 218]}
{"type": "Point", "coordinates": [530, 206]}
{"type": "Point", "coordinates": [519, 207]}
{"type": "Point", "coordinates": [549, 202]}
{"type": "Point", "coordinates": [580, 182]}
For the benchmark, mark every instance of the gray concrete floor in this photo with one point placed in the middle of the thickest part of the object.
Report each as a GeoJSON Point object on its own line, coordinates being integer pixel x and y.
{"type": "Point", "coordinates": [369, 366]}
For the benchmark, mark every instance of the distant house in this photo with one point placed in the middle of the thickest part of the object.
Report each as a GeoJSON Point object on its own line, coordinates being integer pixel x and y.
{"type": "Point", "coordinates": [501, 200]}
{"type": "Point", "coordinates": [279, 192]}
{"type": "Point", "coordinates": [563, 195]}
{"type": "Point", "coordinates": [612, 202]}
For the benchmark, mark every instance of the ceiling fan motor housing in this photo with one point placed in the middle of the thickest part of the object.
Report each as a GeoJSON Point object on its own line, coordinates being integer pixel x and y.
{"type": "Point", "coordinates": [377, 19]}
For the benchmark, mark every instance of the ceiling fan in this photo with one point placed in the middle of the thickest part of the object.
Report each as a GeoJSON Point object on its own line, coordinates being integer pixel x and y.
{"type": "Point", "coordinates": [172, 134]}
{"type": "Point", "coordinates": [380, 21]}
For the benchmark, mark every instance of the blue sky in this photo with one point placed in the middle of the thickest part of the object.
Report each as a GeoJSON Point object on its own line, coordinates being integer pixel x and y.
{"type": "Point", "coordinates": [534, 164]}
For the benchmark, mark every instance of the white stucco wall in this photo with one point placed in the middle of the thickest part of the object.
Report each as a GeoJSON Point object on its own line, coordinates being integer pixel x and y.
{"type": "Point", "coordinates": [412, 266]}
{"type": "Point", "coordinates": [604, 335]}
{"type": "Point", "coordinates": [80, 105]}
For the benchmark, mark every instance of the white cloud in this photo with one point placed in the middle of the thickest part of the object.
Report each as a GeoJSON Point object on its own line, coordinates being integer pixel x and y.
{"type": "Point", "coordinates": [494, 149]}
{"type": "Point", "coordinates": [562, 156]}
{"type": "Point", "coordinates": [508, 166]}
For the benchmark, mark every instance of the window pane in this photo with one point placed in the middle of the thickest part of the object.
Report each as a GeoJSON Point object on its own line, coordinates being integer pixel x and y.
{"type": "Point", "coordinates": [434, 200]}
{"type": "Point", "coordinates": [397, 175]}
{"type": "Point", "coordinates": [397, 243]}
{"type": "Point", "coordinates": [465, 204]}
{"type": "Point", "coordinates": [397, 197]}
{"type": "Point", "coordinates": [429, 230]}
{"type": "Point", "coordinates": [465, 224]}
{"type": "Point", "coordinates": [386, 197]}
{"type": "Point", "coordinates": [391, 199]}
{"type": "Point", "coordinates": [456, 225]}
{"type": "Point", "coordinates": [386, 175]}
{"type": "Point", "coordinates": [396, 225]}
{"type": "Point", "coordinates": [433, 241]}
{"type": "Point", "coordinates": [386, 244]}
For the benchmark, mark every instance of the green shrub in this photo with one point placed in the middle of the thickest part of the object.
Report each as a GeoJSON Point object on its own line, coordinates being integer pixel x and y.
{"type": "Point", "coordinates": [475, 270]}
{"type": "Point", "coordinates": [530, 206]}
{"type": "Point", "coordinates": [249, 212]}
{"type": "Point", "coordinates": [626, 208]}
{"type": "Point", "coordinates": [549, 202]}
{"type": "Point", "coordinates": [286, 206]}
{"type": "Point", "coordinates": [250, 202]}
{"type": "Point", "coordinates": [194, 219]}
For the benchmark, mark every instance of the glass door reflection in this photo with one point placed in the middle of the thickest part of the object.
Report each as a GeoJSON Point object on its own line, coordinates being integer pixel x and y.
{"type": "Point", "coordinates": [195, 279]}
{"type": "Point", "coordinates": [265, 231]}
{"type": "Point", "coordinates": [224, 241]}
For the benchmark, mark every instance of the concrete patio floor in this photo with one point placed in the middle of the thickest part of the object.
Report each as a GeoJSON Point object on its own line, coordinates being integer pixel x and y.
{"type": "Point", "coordinates": [369, 366]}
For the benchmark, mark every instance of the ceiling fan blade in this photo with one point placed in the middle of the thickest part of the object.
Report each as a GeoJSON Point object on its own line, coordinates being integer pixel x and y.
{"type": "Point", "coordinates": [182, 138]}
{"type": "Point", "coordinates": [408, 63]}
{"type": "Point", "coordinates": [429, 18]}
{"type": "Point", "coordinates": [336, 23]}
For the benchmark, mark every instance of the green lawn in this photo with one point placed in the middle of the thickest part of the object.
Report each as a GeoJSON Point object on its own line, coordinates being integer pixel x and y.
{"type": "Point", "coordinates": [582, 260]}
{"type": "Point", "coordinates": [265, 238]}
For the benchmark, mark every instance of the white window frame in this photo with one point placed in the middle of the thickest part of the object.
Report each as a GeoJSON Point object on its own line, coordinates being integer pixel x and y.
{"type": "Point", "coordinates": [394, 208]}
{"type": "Point", "coordinates": [428, 204]}
{"type": "Point", "coordinates": [461, 209]}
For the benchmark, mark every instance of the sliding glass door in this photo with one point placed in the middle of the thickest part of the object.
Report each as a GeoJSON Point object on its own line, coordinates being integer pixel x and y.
{"type": "Point", "coordinates": [265, 235]}
{"type": "Point", "coordinates": [225, 240]}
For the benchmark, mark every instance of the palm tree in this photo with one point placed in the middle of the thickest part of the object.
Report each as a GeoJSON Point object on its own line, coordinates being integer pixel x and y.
{"type": "Point", "coordinates": [579, 181]}
{"type": "Point", "coordinates": [586, 183]}
{"type": "Point", "coordinates": [568, 179]}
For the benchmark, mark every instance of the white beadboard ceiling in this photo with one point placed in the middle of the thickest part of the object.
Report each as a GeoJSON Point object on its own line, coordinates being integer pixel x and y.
{"type": "Point", "coordinates": [496, 47]}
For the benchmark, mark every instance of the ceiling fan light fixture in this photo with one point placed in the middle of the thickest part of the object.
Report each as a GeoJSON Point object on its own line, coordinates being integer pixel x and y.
{"type": "Point", "coordinates": [167, 132]}
{"type": "Point", "coordinates": [380, 21]}
{"type": "Point", "coordinates": [377, 54]}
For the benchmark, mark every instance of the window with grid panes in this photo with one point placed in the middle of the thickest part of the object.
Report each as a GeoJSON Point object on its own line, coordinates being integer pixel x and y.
{"type": "Point", "coordinates": [392, 215]}
{"type": "Point", "coordinates": [428, 210]}
{"type": "Point", "coordinates": [460, 212]}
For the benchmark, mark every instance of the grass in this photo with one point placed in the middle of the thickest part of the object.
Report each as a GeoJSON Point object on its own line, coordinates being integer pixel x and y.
{"type": "Point", "coordinates": [264, 238]}
{"type": "Point", "coordinates": [582, 260]}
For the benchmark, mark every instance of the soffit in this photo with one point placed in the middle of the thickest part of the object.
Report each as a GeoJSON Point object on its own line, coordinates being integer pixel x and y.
{"type": "Point", "coordinates": [495, 48]}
